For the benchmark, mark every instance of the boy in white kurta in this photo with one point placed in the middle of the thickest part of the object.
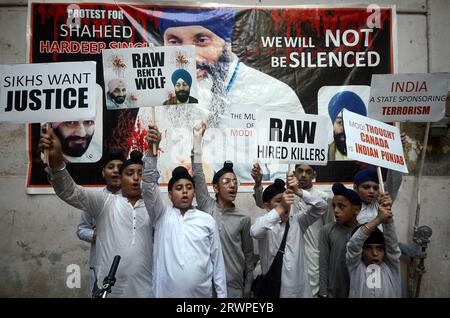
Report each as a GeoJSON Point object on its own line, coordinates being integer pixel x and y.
{"type": "Point", "coordinates": [188, 253]}
{"type": "Point", "coordinates": [305, 175]}
{"type": "Point", "coordinates": [86, 229]}
{"type": "Point", "coordinates": [269, 230]}
{"type": "Point", "coordinates": [233, 222]}
{"type": "Point", "coordinates": [122, 222]}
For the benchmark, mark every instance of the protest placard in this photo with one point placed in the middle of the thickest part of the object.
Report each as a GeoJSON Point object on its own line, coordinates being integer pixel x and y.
{"type": "Point", "coordinates": [141, 77]}
{"type": "Point", "coordinates": [34, 93]}
{"type": "Point", "coordinates": [291, 138]}
{"type": "Point", "coordinates": [408, 97]}
{"type": "Point", "coordinates": [373, 142]}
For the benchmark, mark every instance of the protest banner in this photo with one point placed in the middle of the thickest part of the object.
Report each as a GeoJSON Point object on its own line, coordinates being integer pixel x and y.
{"type": "Point", "coordinates": [34, 93]}
{"type": "Point", "coordinates": [286, 138]}
{"type": "Point", "coordinates": [408, 97]}
{"type": "Point", "coordinates": [143, 77]}
{"type": "Point", "coordinates": [250, 58]}
{"type": "Point", "coordinates": [373, 142]}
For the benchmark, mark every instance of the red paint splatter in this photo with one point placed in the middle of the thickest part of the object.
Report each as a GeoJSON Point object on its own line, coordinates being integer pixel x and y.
{"type": "Point", "coordinates": [126, 136]}
{"type": "Point", "coordinates": [181, 60]}
{"type": "Point", "coordinates": [137, 141]}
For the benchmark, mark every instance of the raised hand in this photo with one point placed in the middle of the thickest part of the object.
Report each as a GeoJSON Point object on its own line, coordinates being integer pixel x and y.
{"type": "Point", "coordinates": [153, 138]}
{"type": "Point", "coordinates": [199, 130]}
{"type": "Point", "coordinates": [385, 208]}
{"type": "Point", "coordinates": [284, 207]}
{"type": "Point", "coordinates": [292, 183]}
{"type": "Point", "coordinates": [385, 200]}
{"type": "Point", "coordinates": [257, 174]}
{"type": "Point", "coordinates": [49, 141]}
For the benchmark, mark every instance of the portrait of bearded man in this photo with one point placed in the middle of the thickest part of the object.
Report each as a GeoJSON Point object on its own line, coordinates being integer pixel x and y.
{"type": "Point", "coordinates": [227, 89]}
{"type": "Point", "coordinates": [337, 150]}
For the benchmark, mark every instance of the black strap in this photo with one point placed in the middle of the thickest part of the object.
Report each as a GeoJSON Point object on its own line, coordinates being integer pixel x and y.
{"type": "Point", "coordinates": [283, 241]}
{"type": "Point", "coordinates": [269, 285]}
{"type": "Point", "coordinates": [277, 263]}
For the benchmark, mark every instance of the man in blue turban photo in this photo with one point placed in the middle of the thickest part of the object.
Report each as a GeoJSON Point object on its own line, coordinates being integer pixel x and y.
{"type": "Point", "coordinates": [229, 94]}
{"type": "Point", "coordinates": [182, 82]}
{"type": "Point", "coordinates": [337, 150]}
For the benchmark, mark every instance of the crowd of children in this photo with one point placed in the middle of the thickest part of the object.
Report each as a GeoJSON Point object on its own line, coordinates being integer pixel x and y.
{"type": "Point", "coordinates": [310, 244]}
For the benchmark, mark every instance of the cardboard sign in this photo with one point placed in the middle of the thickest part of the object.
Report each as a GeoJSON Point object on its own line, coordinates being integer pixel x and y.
{"type": "Point", "coordinates": [408, 97]}
{"type": "Point", "coordinates": [141, 77]}
{"type": "Point", "coordinates": [45, 92]}
{"type": "Point", "coordinates": [374, 142]}
{"type": "Point", "coordinates": [291, 138]}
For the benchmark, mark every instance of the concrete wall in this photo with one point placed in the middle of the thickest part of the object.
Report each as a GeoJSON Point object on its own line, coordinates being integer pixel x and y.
{"type": "Point", "coordinates": [37, 233]}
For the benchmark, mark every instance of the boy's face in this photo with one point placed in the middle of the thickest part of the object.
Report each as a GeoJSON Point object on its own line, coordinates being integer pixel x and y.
{"type": "Point", "coordinates": [131, 181]}
{"type": "Point", "coordinates": [182, 194]}
{"type": "Point", "coordinates": [274, 202]}
{"type": "Point", "coordinates": [305, 175]}
{"type": "Point", "coordinates": [373, 254]}
{"type": "Point", "coordinates": [345, 212]}
{"type": "Point", "coordinates": [227, 187]}
{"type": "Point", "coordinates": [111, 174]}
{"type": "Point", "coordinates": [368, 191]}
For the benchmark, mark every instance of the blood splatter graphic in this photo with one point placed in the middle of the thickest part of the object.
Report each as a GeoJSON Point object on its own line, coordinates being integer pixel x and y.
{"type": "Point", "coordinates": [126, 136]}
{"type": "Point", "coordinates": [136, 141]}
{"type": "Point", "coordinates": [181, 60]}
{"type": "Point", "coordinates": [118, 64]}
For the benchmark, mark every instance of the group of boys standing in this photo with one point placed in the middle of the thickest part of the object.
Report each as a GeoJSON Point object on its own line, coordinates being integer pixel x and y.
{"type": "Point", "coordinates": [178, 250]}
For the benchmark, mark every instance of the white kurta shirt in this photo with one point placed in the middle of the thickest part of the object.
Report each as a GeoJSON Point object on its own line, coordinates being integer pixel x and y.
{"type": "Point", "coordinates": [121, 230]}
{"type": "Point", "coordinates": [269, 230]}
{"type": "Point", "coordinates": [85, 230]}
{"type": "Point", "coordinates": [188, 253]}
{"type": "Point", "coordinates": [312, 236]}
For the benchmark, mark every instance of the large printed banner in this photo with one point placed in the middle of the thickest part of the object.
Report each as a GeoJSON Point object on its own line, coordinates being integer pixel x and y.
{"type": "Point", "coordinates": [247, 59]}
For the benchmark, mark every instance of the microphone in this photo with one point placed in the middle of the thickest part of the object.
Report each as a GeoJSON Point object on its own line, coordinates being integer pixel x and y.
{"type": "Point", "coordinates": [115, 264]}
{"type": "Point", "coordinates": [110, 280]}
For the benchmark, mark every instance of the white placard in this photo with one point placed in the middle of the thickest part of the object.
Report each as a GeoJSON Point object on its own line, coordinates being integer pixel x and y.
{"type": "Point", "coordinates": [142, 77]}
{"type": "Point", "coordinates": [291, 138]}
{"type": "Point", "coordinates": [408, 97]}
{"type": "Point", "coordinates": [373, 142]}
{"type": "Point", "coordinates": [45, 92]}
